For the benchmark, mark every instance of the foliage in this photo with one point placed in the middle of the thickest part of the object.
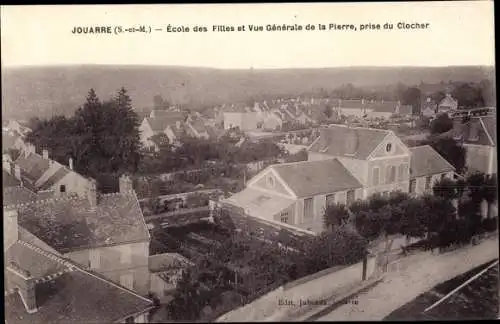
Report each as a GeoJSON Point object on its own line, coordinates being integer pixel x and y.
{"type": "Point", "coordinates": [335, 215]}
{"type": "Point", "coordinates": [302, 155]}
{"type": "Point", "coordinates": [411, 96]}
{"type": "Point", "coordinates": [446, 188]}
{"type": "Point", "coordinates": [441, 124]}
{"type": "Point", "coordinates": [101, 137]}
{"type": "Point", "coordinates": [469, 95]}
{"type": "Point", "coordinates": [449, 149]}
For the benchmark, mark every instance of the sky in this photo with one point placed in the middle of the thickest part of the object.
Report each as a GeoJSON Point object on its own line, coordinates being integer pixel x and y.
{"type": "Point", "coordinates": [459, 33]}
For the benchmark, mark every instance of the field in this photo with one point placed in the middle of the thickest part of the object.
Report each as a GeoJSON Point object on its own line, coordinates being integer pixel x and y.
{"type": "Point", "coordinates": [43, 91]}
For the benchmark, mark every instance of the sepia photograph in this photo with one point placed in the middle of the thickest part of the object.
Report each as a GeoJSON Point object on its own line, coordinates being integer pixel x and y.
{"type": "Point", "coordinates": [249, 162]}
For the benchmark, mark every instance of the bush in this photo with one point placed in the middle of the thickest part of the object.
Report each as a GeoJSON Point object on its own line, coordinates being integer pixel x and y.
{"type": "Point", "coordinates": [489, 224]}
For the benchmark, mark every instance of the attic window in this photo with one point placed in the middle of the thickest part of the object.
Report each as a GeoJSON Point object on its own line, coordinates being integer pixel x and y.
{"type": "Point", "coordinates": [388, 147]}
{"type": "Point", "coordinates": [62, 188]}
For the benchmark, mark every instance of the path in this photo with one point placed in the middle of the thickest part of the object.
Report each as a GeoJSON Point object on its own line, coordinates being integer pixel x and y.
{"type": "Point", "coordinates": [423, 271]}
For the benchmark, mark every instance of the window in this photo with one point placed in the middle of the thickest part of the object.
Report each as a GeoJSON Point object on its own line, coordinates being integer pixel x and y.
{"type": "Point", "coordinates": [388, 147]}
{"type": "Point", "coordinates": [428, 182]}
{"type": "Point", "coordinates": [284, 219]}
{"type": "Point", "coordinates": [95, 259]}
{"type": "Point", "coordinates": [62, 188]}
{"type": "Point", "coordinates": [308, 208]}
{"type": "Point", "coordinates": [385, 193]}
{"type": "Point", "coordinates": [127, 281]}
{"type": "Point", "coordinates": [330, 199]}
{"type": "Point", "coordinates": [390, 175]}
{"type": "Point", "coordinates": [443, 176]}
{"type": "Point", "coordinates": [350, 197]}
{"type": "Point", "coordinates": [413, 185]}
{"type": "Point", "coordinates": [126, 254]}
{"type": "Point", "coordinates": [376, 176]}
{"type": "Point", "coordinates": [402, 172]}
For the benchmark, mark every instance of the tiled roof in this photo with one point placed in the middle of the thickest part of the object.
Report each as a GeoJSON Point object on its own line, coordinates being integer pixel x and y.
{"type": "Point", "coordinates": [33, 166]}
{"type": "Point", "coordinates": [258, 203]}
{"type": "Point", "coordinates": [338, 140]}
{"type": "Point", "coordinates": [57, 176]}
{"type": "Point", "coordinates": [166, 261]}
{"type": "Point", "coordinates": [159, 124]}
{"type": "Point", "coordinates": [490, 126]}
{"type": "Point", "coordinates": [69, 223]}
{"type": "Point", "coordinates": [38, 265]}
{"type": "Point", "coordinates": [312, 178]}
{"type": "Point", "coordinates": [427, 161]}
{"type": "Point", "coordinates": [17, 195]}
{"type": "Point", "coordinates": [72, 296]}
{"type": "Point", "coordinates": [484, 126]}
{"type": "Point", "coordinates": [8, 141]}
{"type": "Point", "coordinates": [9, 180]}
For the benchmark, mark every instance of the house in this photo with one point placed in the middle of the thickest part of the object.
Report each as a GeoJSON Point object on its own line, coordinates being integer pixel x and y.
{"type": "Point", "coordinates": [428, 107]}
{"type": "Point", "coordinates": [245, 121]}
{"type": "Point", "coordinates": [166, 270]}
{"type": "Point", "coordinates": [447, 105]}
{"type": "Point", "coordinates": [167, 123]}
{"type": "Point", "coordinates": [19, 126]}
{"type": "Point", "coordinates": [479, 137]}
{"type": "Point", "coordinates": [40, 173]}
{"type": "Point", "coordinates": [376, 157]}
{"type": "Point", "coordinates": [104, 233]}
{"type": "Point", "coordinates": [297, 193]}
{"type": "Point", "coordinates": [42, 286]}
{"type": "Point", "coordinates": [272, 121]}
{"type": "Point", "coordinates": [344, 164]}
{"type": "Point", "coordinates": [427, 167]}
{"type": "Point", "coordinates": [197, 128]}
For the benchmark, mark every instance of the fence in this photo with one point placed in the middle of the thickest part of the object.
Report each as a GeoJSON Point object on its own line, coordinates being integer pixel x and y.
{"type": "Point", "coordinates": [320, 285]}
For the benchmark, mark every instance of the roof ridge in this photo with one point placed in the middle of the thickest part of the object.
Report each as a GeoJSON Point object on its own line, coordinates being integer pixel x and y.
{"type": "Point", "coordinates": [50, 255]}
{"type": "Point", "coordinates": [486, 131]}
{"type": "Point", "coordinates": [72, 197]}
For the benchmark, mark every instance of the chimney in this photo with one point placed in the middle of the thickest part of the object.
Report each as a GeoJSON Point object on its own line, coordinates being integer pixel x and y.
{"type": "Point", "coordinates": [10, 228]}
{"type": "Point", "coordinates": [24, 283]}
{"type": "Point", "coordinates": [70, 163]}
{"type": "Point", "coordinates": [125, 184]}
{"type": "Point", "coordinates": [30, 148]}
{"type": "Point", "coordinates": [178, 124]}
{"type": "Point", "coordinates": [17, 172]}
{"type": "Point", "coordinates": [92, 193]}
{"type": "Point", "coordinates": [45, 154]}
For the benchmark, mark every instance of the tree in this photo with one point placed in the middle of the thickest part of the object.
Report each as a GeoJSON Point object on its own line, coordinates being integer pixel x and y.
{"type": "Point", "coordinates": [335, 215]}
{"type": "Point", "coordinates": [490, 192]}
{"type": "Point", "coordinates": [445, 188]}
{"type": "Point", "coordinates": [101, 137]}
{"type": "Point", "coordinates": [468, 96]}
{"type": "Point", "coordinates": [327, 111]}
{"type": "Point", "coordinates": [441, 124]}
{"type": "Point", "coordinates": [449, 149]}
{"type": "Point", "coordinates": [412, 96]}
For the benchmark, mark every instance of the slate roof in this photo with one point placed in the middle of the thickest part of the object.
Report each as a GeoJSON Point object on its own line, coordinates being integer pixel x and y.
{"type": "Point", "coordinates": [73, 296]}
{"type": "Point", "coordinates": [160, 123]}
{"type": "Point", "coordinates": [9, 180]}
{"type": "Point", "coordinates": [258, 203]}
{"type": "Point", "coordinates": [17, 195]}
{"type": "Point", "coordinates": [8, 141]}
{"type": "Point", "coordinates": [311, 178]}
{"type": "Point", "coordinates": [427, 161]}
{"type": "Point", "coordinates": [53, 179]}
{"type": "Point", "coordinates": [339, 140]}
{"type": "Point", "coordinates": [69, 224]}
{"type": "Point", "coordinates": [485, 126]}
{"type": "Point", "coordinates": [33, 166]}
{"type": "Point", "coordinates": [166, 261]}
{"type": "Point", "coordinates": [38, 265]}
